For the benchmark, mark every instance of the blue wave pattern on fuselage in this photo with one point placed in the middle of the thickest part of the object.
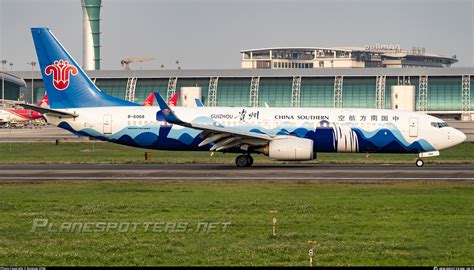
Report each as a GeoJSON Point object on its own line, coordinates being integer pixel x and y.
{"type": "Point", "coordinates": [389, 141]}
{"type": "Point", "coordinates": [155, 137]}
{"type": "Point", "coordinates": [165, 137]}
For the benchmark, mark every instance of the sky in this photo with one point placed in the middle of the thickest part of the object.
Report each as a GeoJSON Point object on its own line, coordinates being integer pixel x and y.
{"type": "Point", "coordinates": [209, 34]}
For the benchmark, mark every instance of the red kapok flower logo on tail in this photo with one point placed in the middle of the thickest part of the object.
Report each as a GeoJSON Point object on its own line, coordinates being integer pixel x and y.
{"type": "Point", "coordinates": [60, 70]}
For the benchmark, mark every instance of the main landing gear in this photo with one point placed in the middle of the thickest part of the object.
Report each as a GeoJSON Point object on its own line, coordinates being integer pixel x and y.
{"type": "Point", "coordinates": [244, 161]}
{"type": "Point", "coordinates": [419, 162]}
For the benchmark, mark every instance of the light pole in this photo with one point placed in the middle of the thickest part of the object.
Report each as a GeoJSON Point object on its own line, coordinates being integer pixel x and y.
{"type": "Point", "coordinates": [11, 66]}
{"type": "Point", "coordinates": [33, 64]}
{"type": "Point", "coordinates": [3, 81]}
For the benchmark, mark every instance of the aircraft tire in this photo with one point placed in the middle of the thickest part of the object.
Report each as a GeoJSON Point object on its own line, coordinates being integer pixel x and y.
{"type": "Point", "coordinates": [250, 160]}
{"type": "Point", "coordinates": [242, 161]}
{"type": "Point", "coordinates": [419, 162]}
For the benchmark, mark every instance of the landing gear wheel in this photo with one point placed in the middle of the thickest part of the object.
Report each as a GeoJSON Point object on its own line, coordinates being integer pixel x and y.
{"type": "Point", "coordinates": [250, 160]}
{"type": "Point", "coordinates": [242, 161]}
{"type": "Point", "coordinates": [419, 162]}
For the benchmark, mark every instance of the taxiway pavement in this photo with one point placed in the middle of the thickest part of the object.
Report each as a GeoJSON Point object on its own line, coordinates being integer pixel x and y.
{"type": "Point", "coordinates": [210, 172]}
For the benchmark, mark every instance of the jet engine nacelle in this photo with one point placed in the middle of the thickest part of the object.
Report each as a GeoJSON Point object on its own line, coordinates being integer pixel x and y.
{"type": "Point", "coordinates": [290, 148]}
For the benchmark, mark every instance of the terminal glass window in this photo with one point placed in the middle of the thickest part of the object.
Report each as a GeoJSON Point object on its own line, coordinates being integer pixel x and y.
{"type": "Point", "coordinates": [233, 92]}
{"type": "Point", "coordinates": [414, 80]}
{"type": "Point", "coordinates": [359, 93]}
{"type": "Point", "coordinates": [38, 91]}
{"type": "Point", "coordinates": [472, 93]}
{"type": "Point", "coordinates": [12, 91]}
{"type": "Point", "coordinates": [276, 92]}
{"type": "Point", "coordinates": [263, 64]}
{"type": "Point", "coordinates": [445, 93]}
{"type": "Point", "coordinates": [293, 54]}
{"type": "Point", "coordinates": [261, 54]}
{"type": "Point", "coordinates": [146, 86]}
{"type": "Point", "coordinates": [317, 92]}
{"type": "Point", "coordinates": [113, 87]}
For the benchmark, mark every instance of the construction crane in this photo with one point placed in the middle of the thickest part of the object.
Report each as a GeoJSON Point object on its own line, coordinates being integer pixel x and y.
{"type": "Point", "coordinates": [125, 62]}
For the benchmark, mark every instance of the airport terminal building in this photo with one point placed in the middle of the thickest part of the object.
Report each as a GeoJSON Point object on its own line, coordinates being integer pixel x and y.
{"type": "Point", "coordinates": [444, 92]}
{"type": "Point", "coordinates": [12, 86]}
{"type": "Point", "coordinates": [370, 56]}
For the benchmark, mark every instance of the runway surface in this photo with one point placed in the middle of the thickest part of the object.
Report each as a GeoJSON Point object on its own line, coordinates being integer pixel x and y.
{"type": "Point", "coordinates": [45, 133]}
{"type": "Point", "coordinates": [269, 172]}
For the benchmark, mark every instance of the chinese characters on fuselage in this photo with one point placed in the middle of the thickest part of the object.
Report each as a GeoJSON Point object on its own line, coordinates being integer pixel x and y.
{"type": "Point", "coordinates": [249, 115]}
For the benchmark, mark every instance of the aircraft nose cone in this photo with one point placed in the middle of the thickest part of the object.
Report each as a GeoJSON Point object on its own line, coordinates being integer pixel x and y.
{"type": "Point", "coordinates": [459, 137]}
{"type": "Point", "coordinates": [463, 136]}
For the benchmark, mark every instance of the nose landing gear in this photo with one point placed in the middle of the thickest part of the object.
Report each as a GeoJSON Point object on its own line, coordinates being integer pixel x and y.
{"type": "Point", "coordinates": [244, 161]}
{"type": "Point", "coordinates": [419, 162]}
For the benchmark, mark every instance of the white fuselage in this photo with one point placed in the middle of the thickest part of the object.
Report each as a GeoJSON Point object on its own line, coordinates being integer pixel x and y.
{"type": "Point", "coordinates": [408, 127]}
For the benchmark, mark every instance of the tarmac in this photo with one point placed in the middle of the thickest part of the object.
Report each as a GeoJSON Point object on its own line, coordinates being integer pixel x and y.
{"type": "Point", "coordinates": [44, 133]}
{"type": "Point", "coordinates": [228, 172]}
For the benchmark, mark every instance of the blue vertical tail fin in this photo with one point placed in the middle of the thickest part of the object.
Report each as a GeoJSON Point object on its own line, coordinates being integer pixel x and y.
{"type": "Point", "coordinates": [66, 84]}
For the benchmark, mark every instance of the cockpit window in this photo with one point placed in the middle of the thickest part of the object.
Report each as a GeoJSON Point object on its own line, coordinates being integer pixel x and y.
{"type": "Point", "coordinates": [439, 124]}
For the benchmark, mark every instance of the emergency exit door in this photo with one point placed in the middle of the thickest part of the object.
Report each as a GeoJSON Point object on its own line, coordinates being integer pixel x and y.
{"type": "Point", "coordinates": [413, 128]}
{"type": "Point", "coordinates": [107, 124]}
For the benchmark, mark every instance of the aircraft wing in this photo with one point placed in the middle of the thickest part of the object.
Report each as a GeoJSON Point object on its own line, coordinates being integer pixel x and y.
{"type": "Point", "coordinates": [43, 110]}
{"type": "Point", "coordinates": [222, 137]}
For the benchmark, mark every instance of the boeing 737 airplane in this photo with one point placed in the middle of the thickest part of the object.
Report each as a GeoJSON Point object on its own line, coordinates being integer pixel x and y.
{"type": "Point", "coordinates": [8, 116]}
{"type": "Point", "coordinates": [290, 134]}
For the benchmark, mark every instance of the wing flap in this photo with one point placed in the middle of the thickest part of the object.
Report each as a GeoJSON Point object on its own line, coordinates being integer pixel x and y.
{"type": "Point", "coordinates": [231, 131]}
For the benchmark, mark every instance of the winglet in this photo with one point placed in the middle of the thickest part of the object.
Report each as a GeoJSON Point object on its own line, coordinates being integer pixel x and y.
{"type": "Point", "coordinates": [168, 114]}
{"type": "Point", "coordinates": [198, 102]}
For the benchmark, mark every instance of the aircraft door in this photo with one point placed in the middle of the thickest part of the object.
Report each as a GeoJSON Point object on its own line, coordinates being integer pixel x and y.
{"type": "Point", "coordinates": [107, 124]}
{"type": "Point", "coordinates": [413, 128]}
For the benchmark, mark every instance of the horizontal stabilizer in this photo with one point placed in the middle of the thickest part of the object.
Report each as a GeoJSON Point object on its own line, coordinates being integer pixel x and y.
{"type": "Point", "coordinates": [43, 110]}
